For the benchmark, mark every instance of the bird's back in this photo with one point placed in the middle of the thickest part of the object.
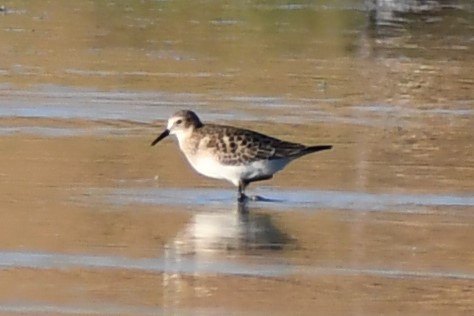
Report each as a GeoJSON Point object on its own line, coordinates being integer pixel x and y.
{"type": "Point", "coordinates": [237, 146]}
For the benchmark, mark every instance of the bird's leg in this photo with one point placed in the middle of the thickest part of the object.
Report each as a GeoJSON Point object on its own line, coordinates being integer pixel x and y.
{"type": "Point", "coordinates": [260, 178]}
{"type": "Point", "coordinates": [242, 185]}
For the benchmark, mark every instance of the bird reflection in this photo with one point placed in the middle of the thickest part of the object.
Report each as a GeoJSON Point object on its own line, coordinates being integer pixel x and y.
{"type": "Point", "coordinates": [224, 231]}
{"type": "Point", "coordinates": [223, 236]}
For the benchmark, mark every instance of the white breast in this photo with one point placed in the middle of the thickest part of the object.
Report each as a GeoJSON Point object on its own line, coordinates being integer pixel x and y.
{"type": "Point", "coordinates": [207, 165]}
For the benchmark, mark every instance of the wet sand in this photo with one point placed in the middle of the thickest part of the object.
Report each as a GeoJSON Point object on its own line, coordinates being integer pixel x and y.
{"type": "Point", "coordinates": [94, 221]}
{"type": "Point", "coordinates": [85, 228]}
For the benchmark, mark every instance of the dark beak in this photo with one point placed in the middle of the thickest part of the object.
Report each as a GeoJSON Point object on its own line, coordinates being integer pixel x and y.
{"type": "Point", "coordinates": [162, 135]}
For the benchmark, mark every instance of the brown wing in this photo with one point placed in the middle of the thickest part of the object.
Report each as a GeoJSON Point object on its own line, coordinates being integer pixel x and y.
{"type": "Point", "coordinates": [235, 146]}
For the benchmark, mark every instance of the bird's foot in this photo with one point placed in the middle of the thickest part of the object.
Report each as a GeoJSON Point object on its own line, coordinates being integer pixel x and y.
{"type": "Point", "coordinates": [257, 198]}
{"type": "Point", "coordinates": [242, 198]}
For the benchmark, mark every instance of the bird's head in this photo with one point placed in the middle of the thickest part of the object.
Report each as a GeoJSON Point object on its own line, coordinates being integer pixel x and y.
{"type": "Point", "coordinates": [181, 124]}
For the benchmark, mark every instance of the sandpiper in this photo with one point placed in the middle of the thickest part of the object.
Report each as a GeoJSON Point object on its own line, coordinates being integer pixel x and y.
{"type": "Point", "coordinates": [238, 155]}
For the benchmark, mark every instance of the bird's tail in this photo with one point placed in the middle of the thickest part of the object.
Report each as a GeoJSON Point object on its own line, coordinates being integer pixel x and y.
{"type": "Point", "coordinates": [313, 149]}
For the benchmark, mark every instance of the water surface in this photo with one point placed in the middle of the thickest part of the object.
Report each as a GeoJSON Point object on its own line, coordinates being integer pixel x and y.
{"type": "Point", "coordinates": [95, 221]}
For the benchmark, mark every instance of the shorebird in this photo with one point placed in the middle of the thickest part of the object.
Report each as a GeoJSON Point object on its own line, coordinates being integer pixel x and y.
{"type": "Point", "coordinates": [238, 155]}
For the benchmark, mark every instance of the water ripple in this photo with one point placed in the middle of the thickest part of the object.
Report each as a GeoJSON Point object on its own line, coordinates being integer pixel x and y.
{"type": "Point", "coordinates": [286, 198]}
{"type": "Point", "coordinates": [38, 260]}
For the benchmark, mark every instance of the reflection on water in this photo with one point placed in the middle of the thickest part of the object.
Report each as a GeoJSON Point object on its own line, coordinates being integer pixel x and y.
{"type": "Point", "coordinates": [211, 236]}
{"type": "Point", "coordinates": [388, 12]}
{"type": "Point", "coordinates": [227, 241]}
{"type": "Point", "coordinates": [227, 231]}
{"type": "Point", "coordinates": [398, 25]}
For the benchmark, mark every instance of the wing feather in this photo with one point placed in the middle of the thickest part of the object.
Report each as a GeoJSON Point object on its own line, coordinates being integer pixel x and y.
{"type": "Point", "coordinates": [235, 146]}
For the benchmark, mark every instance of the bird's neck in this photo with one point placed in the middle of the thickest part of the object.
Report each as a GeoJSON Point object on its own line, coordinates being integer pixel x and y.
{"type": "Point", "coordinates": [187, 143]}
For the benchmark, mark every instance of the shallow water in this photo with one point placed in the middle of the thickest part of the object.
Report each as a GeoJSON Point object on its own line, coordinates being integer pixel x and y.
{"type": "Point", "coordinates": [95, 221]}
{"type": "Point", "coordinates": [287, 199]}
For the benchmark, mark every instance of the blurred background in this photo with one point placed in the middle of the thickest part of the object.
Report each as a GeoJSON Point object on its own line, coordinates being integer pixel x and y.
{"type": "Point", "coordinates": [94, 221]}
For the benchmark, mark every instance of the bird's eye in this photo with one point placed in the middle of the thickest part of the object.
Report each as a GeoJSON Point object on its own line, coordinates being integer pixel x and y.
{"type": "Point", "coordinates": [179, 122]}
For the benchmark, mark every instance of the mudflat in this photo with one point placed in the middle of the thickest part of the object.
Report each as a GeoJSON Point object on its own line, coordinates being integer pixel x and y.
{"type": "Point", "coordinates": [86, 226]}
{"type": "Point", "coordinates": [95, 221]}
